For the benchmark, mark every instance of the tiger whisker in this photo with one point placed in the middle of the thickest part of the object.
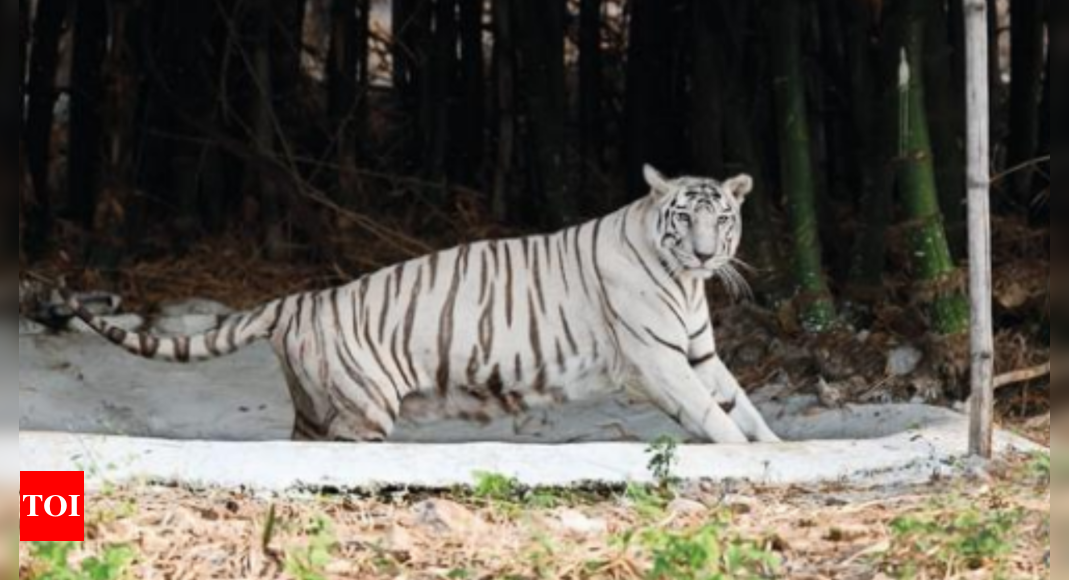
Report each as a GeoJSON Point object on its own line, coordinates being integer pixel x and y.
{"type": "Point", "coordinates": [749, 268]}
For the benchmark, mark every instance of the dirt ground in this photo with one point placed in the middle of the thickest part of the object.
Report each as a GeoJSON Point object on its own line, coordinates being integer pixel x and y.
{"type": "Point", "coordinates": [991, 526]}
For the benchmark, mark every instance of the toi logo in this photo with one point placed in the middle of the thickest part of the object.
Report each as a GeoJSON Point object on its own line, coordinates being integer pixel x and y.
{"type": "Point", "coordinates": [52, 506]}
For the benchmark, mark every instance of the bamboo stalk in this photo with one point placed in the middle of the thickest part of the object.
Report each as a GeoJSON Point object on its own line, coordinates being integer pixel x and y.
{"type": "Point", "coordinates": [978, 87]}
{"type": "Point", "coordinates": [816, 310]}
{"type": "Point", "coordinates": [932, 260]}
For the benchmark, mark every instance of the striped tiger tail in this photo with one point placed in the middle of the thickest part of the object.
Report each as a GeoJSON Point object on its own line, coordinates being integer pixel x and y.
{"type": "Point", "coordinates": [232, 334]}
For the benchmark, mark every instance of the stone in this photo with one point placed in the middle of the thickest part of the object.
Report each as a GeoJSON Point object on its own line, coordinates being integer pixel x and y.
{"type": "Point", "coordinates": [928, 390]}
{"type": "Point", "coordinates": [574, 522]}
{"type": "Point", "coordinates": [739, 504]}
{"type": "Point", "coordinates": [903, 361]}
{"type": "Point", "coordinates": [399, 540]}
{"type": "Point", "coordinates": [444, 516]}
{"type": "Point", "coordinates": [687, 507]}
{"type": "Point", "coordinates": [831, 396]}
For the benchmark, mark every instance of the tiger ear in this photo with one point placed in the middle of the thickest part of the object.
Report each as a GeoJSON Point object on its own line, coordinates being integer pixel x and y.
{"type": "Point", "coordinates": [740, 187]}
{"type": "Point", "coordinates": [656, 181]}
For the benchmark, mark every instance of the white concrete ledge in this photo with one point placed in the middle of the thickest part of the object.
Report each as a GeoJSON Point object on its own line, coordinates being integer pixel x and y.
{"type": "Point", "coordinates": [282, 467]}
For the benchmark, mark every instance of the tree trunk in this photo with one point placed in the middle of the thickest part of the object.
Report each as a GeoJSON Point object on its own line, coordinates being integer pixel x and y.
{"type": "Point", "coordinates": [47, 29]}
{"type": "Point", "coordinates": [982, 347]}
{"type": "Point", "coordinates": [817, 310]}
{"type": "Point", "coordinates": [24, 45]}
{"type": "Point", "coordinates": [875, 124]}
{"type": "Point", "coordinates": [707, 88]}
{"type": "Point", "coordinates": [119, 109]}
{"type": "Point", "coordinates": [743, 155]}
{"type": "Point", "coordinates": [830, 114]}
{"type": "Point", "coordinates": [1040, 214]}
{"type": "Point", "coordinates": [541, 34]}
{"type": "Point", "coordinates": [411, 37]}
{"type": "Point", "coordinates": [470, 122]}
{"type": "Point", "coordinates": [439, 105]}
{"type": "Point", "coordinates": [947, 118]}
{"type": "Point", "coordinates": [1029, 42]}
{"type": "Point", "coordinates": [25, 197]}
{"type": "Point", "coordinates": [342, 75]}
{"type": "Point", "coordinates": [262, 180]}
{"type": "Point", "coordinates": [287, 46]}
{"type": "Point", "coordinates": [655, 111]}
{"type": "Point", "coordinates": [86, 124]}
{"type": "Point", "coordinates": [933, 265]}
{"type": "Point", "coordinates": [505, 106]}
{"type": "Point", "coordinates": [591, 69]}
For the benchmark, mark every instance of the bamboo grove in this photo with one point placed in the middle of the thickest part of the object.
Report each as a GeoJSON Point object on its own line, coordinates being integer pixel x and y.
{"type": "Point", "coordinates": [302, 121]}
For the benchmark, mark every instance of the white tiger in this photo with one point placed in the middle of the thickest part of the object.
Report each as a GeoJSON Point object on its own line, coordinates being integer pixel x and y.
{"type": "Point", "coordinates": [503, 326]}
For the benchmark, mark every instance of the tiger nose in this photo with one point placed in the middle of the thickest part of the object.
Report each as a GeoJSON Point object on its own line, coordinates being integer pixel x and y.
{"type": "Point", "coordinates": [703, 257]}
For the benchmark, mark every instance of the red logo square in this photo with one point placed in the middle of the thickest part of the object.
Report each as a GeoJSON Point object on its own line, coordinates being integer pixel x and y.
{"type": "Point", "coordinates": [52, 506]}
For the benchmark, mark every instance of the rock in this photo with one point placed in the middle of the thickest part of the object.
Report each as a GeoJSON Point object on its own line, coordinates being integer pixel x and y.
{"type": "Point", "coordinates": [928, 390]}
{"type": "Point", "coordinates": [776, 388]}
{"type": "Point", "coordinates": [185, 325]}
{"type": "Point", "coordinates": [831, 396]}
{"type": "Point", "coordinates": [687, 507]}
{"type": "Point", "coordinates": [399, 541]}
{"type": "Point", "coordinates": [127, 322]}
{"type": "Point", "coordinates": [444, 516]}
{"type": "Point", "coordinates": [903, 361]}
{"type": "Point", "coordinates": [194, 307]}
{"type": "Point", "coordinates": [574, 522]}
{"type": "Point", "coordinates": [739, 504]}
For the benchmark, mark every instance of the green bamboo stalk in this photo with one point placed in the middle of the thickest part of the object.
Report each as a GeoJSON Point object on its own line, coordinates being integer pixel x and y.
{"type": "Point", "coordinates": [932, 261]}
{"type": "Point", "coordinates": [817, 310]}
{"type": "Point", "coordinates": [945, 93]}
{"type": "Point", "coordinates": [876, 136]}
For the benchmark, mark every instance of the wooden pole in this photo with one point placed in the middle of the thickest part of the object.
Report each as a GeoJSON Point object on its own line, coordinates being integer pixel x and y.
{"type": "Point", "coordinates": [978, 96]}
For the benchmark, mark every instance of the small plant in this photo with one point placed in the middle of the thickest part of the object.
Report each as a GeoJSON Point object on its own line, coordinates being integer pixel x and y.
{"type": "Point", "coordinates": [663, 459]}
{"type": "Point", "coordinates": [951, 541]}
{"type": "Point", "coordinates": [51, 561]}
{"type": "Point", "coordinates": [648, 503]}
{"type": "Point", "coordinates": [496, 487]}
{"type": "Point", "coordinates": [311, 561]}
{"type": "Point", "coordinates": [1041, 466]}
{"type": "Point", "coordinates": [706, 554]}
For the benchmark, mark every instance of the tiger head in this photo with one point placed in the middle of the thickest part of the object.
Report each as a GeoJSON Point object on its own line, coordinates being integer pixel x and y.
{"type": "Point", "coordinates": [698, 224]}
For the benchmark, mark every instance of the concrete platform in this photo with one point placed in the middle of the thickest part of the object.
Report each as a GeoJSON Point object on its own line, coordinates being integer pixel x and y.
{"type": "Point", "coordinates": [84, 405]}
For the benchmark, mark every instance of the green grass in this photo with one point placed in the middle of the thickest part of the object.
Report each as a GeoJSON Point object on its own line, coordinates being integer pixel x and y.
{"type": "Point", "coordinates": [310, 562]}
{"type": "Point", "coordinates": [707, 553]}
{"type": "Point", "coordinates": [51, 561]}
{"type": "Point", "coordinates": [494, 487]}
{"type": "Point", "coordinates": [1041, 466]}
{"type": "Point", "coordinates": [951, 540]}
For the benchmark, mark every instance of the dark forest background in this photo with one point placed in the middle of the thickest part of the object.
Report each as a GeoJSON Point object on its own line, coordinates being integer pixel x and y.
{"type": "Point", "coordinates": [347, 134]}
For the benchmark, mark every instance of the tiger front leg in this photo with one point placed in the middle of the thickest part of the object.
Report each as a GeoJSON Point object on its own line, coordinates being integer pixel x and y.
{"type": "Point", "coordinates": [716, 377]}
{"type": "Point", "coordinates": [674, 387]}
